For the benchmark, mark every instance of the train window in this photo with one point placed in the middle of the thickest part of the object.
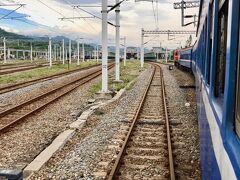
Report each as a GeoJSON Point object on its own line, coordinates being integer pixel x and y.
{"type": "Point", "coordinates": [210, 44]}
{"type": "Point", "coordinates": [237, 121]}
{"type": "Point", "coordinates": [221, 52]}
{"type": "Point", "coordinates": [237, 110]}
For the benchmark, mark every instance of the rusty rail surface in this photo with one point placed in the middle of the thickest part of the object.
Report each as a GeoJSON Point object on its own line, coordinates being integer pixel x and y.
{"type": "Point", "coordinates": [115, 169]}
{"type": "Point", "coordinates": [9, 70]}
{"type": "Point", "coordinates": [16, 86]}
{"type": "Point", "coordinates": [18, 113]}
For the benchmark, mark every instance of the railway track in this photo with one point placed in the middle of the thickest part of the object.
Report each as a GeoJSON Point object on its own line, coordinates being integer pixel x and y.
{"type": "Point", "coordinates": [16, 114]}
{"type": "Point", "coordinates": [146, 152]}
{"type": "Point", "coordinates": [16, 86]}
{"type": "Point", "coordinates": [13, 69]}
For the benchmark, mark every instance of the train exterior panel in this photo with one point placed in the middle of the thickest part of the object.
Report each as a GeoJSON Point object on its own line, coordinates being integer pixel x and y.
{"type": "Point", "coordinates": [182, 57]}
{"type": "Point", "coordinates": [215, 64]}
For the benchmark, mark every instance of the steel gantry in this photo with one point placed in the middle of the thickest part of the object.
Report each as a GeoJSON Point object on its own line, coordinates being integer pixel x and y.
{"type": "Point", "coordinates": [188, 4]}
{"type": "Point", "coordinates": [184, 5]}
{"type": "Point", "coordinates": [157, 32]}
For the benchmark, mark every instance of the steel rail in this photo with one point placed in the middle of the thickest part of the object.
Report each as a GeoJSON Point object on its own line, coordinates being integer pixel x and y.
{"type": "Point", "coordinates": [83, 80]}
{"type": "Point", "coordinates": [120, 155]}
{"type": "Point", "coordinates": [170, 154]}
{"type": "Point", "coordinates": [17, 66]}
{"type": "Point", "coordinates": [19, 63]}
{"type": "Point", "coordinates": [123, 149]}
{"type": "Point", "coordinates": [13, 70]}
{"type": "Point", "coordinates": [16, 86]}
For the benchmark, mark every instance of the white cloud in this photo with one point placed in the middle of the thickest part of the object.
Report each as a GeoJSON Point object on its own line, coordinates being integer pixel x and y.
{"type": "Point", "coordinates": [134, 16]}
{"type": "Point", "coordinates": [9, 29]}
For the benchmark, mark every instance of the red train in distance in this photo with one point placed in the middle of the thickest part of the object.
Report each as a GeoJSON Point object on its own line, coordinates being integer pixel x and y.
{"type": "Point", "coordinates": [176, 55]}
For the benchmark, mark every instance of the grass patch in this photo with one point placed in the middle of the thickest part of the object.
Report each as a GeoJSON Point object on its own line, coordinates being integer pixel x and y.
{"type": "Point", "coordinates": [42, 72]}
{"type": "Point", "coordinates": [127, 74]}
{"type": "Point", "coordinates": [15, 62]}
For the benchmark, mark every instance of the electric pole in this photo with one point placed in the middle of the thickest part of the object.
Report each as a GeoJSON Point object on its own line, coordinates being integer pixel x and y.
{"type": "Point", "coordinates": [63, 53]}
{"type": "Point", "coordinates": [70, 51]}
{"type": "Point", "coordinates": [117, 39]}
{"type": "Point", "coordinates": [50, 52]}
{"type": "Point", "coordinates": [4, 49]}
{"type": "Point", "coordinates": [104, 46]}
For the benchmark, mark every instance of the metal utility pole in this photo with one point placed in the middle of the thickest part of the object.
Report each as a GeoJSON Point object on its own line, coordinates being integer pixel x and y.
{"type": "Point", "coordinates": [55, 52]}
{"type": "Point", "coordinates": [8, 54]}
{"type": "Point", "coordinates": [50, 52]}
{"type": "Point", "coordinates": [104, 46]}
{"type": "Point", "coordinates": [63, 53]}
{"type": "Point", "coordinates": [70, 52]}
{"type": "Point", "coordinates": [166, 55]}
{"type": "Point", "coordinates": [78, 54]}
{"type": "Point", "coordinates": [60, 53]}
{"type": "Point", "coordinates": [97, 54]}
{"type": "Point", "coordinates": [117, 39]}
{"type": "Point", "coordinates": [142, 48]}
{"type": "Point", "coordinates": [83, 51]}
{"type": "Point", "coordinates": [66, 54]}
{"type": "Point", "coordinates": [125, 52]}
{"type": "Point", "coordinates": [184, 5]}
{"type": "Point", "coordinates": [4, 49]}
{"type": "Point", "coordinates": [31, 53]}
{"type": "Point", "coordinates": [182, 10]}
{"type": "Point", "coordinates": [46, 54]}
{"type": "Point", "coordinates": [24, 55]}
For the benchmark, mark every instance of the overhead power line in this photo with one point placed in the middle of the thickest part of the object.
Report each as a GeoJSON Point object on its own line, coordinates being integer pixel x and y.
{"type": "Point", "coordinates": [21, 5]}
{"type": "Point", "coordinates": [51, 8]}
{"type": "Point", "coordinates": [92, 14]}
{"type": "Point", "coordinates": [82, 18]}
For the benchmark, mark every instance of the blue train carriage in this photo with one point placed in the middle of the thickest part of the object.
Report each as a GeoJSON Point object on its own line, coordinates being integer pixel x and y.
{"type": "Point", "coordinates": [216, 65]}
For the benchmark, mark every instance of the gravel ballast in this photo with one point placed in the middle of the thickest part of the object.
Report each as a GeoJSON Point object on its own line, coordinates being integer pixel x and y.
{"type": "Point", "coordinates": [18, 96]}
{"type": "Point", "coordinates": [21, 144]}
{"type": "Point", "coordinates": [80, 156]}
{"type": "Point", "coordinates": [183, 118]}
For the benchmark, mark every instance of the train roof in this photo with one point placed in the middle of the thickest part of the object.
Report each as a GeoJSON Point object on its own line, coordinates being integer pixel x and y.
{"type": "Point", "coordinates": [185, 49]}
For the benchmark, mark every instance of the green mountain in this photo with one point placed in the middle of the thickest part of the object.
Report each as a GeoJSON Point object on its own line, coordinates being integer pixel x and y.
{"type": "Point", "coordinates": [17, 41]}
{"type": "Point", "coordinates": [10, 35]}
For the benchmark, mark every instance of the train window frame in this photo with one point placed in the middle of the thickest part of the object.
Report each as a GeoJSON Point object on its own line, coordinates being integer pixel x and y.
{"type": "Point", "coordinates": [210, 41]}
{"type": "Point", "coordinates": [219, 87]}
{"type": "Point", "coordinates": [237, 103]}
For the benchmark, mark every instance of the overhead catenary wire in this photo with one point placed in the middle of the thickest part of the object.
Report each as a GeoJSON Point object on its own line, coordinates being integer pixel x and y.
{"type": "Point", "coordinates": [11, 12]}
{"type": "Point", "coordinates": [66, 1]}
{"type": "Point", "coordinates": [51, 8]}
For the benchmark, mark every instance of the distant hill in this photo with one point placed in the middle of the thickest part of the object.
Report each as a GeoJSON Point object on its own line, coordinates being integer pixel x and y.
{"type": "Point", "coordinates": [18, 41]}
{"type": "Point", "coordinates": [10, 35]}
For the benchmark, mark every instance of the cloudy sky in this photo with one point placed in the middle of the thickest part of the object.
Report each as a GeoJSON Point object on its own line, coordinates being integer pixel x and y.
{"type": "Point", "coordinates": [43, 18]}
